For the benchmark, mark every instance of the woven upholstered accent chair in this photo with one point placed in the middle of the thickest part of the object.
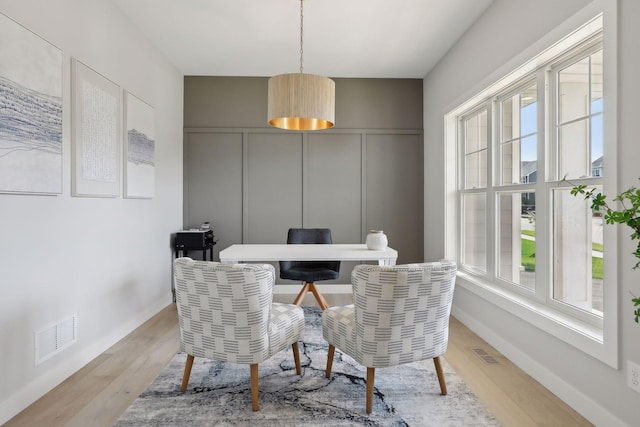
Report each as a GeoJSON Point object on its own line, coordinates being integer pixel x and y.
{"type": "Point", "coordinates": [310, 272]}
{"type": "Point", "coordinates": [226, 313]}
{"type": "Point", "coordinates": [400, 315]}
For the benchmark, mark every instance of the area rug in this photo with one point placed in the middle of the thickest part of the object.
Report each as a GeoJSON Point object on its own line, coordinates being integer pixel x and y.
{"type": "Point", "coordinates": [219, 393]}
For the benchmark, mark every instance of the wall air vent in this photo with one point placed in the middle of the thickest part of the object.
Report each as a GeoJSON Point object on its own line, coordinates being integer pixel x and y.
{"type": "Point", "coordinates": [55, 338]}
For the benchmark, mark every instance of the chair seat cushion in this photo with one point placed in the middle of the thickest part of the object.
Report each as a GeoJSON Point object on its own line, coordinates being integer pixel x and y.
{"type": "Point", "coordinates": [285, 326]}
{"type": "Point", "coordinates": [309, 274]}
{"type": "Point", "coordinates": [339, 328]}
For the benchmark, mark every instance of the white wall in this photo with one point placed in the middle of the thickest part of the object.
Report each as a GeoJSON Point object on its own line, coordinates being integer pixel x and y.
{"type": "Point", "coordinates": [502, 33]}
{"type": "Point", "coordinates": [107, 260]}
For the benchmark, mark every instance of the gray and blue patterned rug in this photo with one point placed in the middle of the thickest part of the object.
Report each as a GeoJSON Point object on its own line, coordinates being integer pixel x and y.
{"type": "Point", "coordinates": [219, 393]}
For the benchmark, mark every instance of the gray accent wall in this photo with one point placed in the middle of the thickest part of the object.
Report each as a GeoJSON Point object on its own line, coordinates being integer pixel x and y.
{"type": "Point", "coordinates": [254, 182]}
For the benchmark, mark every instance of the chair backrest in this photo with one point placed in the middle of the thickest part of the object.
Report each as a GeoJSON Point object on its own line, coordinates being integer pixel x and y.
{"type": "Point", "coordinates": [402, 312]}
{"type": "Point", "coordinates": [224, 309]}
{"type": "Point", "coordinates": [310, 236]}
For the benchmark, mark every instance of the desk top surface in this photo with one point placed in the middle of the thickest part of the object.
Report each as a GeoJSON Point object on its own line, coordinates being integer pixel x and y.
{"type": "Point", "coordinates": [304, 252]}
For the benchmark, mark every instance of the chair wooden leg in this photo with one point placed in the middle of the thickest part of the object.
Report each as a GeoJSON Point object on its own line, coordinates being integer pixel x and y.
{"type": "Point", "coordinates": [316, 293]}
{"type": "Point", "coordinates": [296, 357]}
{"type": "Point", "coordinates": [187, 372]}
{"type": "Point", "coordinates": [332, 350]}
{"type": "Point", "coordinates": [310, 286]}
{"type": "Point", "coordinates": [371, 372]}
{"type": "Point", "coordinates": [254, 387]}
{"type": "Point", "coordinates": [301, 294]}
{"type": "Point", "coordinates": [443, 385]}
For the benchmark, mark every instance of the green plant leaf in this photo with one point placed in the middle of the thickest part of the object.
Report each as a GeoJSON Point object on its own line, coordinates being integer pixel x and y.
{"type": "Point", "coordinates": [628, 215]}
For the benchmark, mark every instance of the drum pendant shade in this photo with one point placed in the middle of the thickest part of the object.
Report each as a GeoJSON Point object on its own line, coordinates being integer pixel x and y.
{"type": "Point", "coordinates": [300, 101]}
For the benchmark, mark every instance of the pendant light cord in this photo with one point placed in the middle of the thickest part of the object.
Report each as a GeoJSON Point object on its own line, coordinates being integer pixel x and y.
{"type": "Point", "coordinates": [301, 33]}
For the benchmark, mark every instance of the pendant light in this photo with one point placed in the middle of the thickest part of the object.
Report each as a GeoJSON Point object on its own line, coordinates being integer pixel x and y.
{"type": "Point", "coordinates": [301, 101]}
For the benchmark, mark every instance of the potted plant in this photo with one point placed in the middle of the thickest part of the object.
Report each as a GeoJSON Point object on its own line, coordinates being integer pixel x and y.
{"type": "Point", "coordinates": [629, 214]}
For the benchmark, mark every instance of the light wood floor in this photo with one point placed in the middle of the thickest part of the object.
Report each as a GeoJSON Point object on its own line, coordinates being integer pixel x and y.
{"type": "Point", "coordinates": [98, 393]}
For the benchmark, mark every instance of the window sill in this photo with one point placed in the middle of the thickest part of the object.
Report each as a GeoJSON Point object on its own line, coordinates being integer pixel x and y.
{"type": "Point", "coordinates": [581, 335]}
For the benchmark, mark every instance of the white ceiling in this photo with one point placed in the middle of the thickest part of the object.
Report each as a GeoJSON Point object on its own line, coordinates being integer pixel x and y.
{"type": "Point", "coordinates": [342, 38]}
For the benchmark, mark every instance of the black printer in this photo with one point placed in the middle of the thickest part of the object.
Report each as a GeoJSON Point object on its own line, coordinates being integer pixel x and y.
{"type": "Point", "coordinates": [194, 239]}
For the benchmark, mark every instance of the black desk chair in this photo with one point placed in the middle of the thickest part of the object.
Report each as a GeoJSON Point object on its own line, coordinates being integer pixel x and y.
{"type": "Point", "coordinates": [310, 271]}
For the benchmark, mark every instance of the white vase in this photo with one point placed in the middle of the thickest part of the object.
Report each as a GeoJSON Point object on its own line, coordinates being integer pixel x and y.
{"type": "Point", "coordinates": [376, 240]}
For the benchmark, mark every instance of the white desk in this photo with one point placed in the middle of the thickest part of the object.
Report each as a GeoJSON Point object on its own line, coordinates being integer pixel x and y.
{"type": "Point", "coordinates": [307, 252]}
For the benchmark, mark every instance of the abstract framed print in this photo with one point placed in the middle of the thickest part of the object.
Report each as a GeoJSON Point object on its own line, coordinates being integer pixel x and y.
{"type": "Point", "coordinates": [96, 133]}
{"type": "Point", "coordinates": [139, 148]}
{"type": "Point", "coordinates": [30, 112]}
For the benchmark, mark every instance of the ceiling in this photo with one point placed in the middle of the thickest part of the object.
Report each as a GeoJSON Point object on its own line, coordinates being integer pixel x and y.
{"type": "Point", "coordinates": [342, 38]}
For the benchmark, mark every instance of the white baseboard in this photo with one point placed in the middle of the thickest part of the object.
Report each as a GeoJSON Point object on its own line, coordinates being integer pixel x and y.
{"type": "Point", "coordinates": [573, 397]}
{"type": "Point", "coordinates": [71, 362]}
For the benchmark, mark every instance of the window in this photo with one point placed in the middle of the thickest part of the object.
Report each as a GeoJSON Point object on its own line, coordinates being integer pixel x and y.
{"type": "Point", "coordinates": [574, 150]}
{"type": "Point", "coordinates": [520, 238]}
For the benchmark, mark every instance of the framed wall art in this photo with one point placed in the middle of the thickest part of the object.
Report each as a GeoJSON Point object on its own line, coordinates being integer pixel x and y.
{"type": "Point", "coordinates": [96, 133]}
{"type": "Point", "coordinates": [139, 148]}
{"type": "Point", "coordinates": [30, 112]}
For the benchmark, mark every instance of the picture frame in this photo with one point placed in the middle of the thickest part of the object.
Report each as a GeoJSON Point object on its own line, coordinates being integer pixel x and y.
{"type": "Point", "coordinates": [31, 122]}
{"type": "Point", "coordinates": [96, 133]}
{"type": "Point", "coordinates": [139, 148]}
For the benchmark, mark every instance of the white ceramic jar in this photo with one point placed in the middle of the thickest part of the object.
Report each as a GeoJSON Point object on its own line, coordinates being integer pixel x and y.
{"type": "Point", "coordinates": [376, 240]}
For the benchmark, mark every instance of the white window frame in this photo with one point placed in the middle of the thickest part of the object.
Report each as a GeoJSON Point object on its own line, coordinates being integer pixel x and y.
{"type": "Point", "coordinates": [600, 340]}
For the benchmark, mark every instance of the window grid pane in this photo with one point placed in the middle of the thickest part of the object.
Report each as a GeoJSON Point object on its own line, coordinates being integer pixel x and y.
{"type": "Point", "coordinates": [573, 149]}
{"type": "Point", "coordinates": [517, 238]}
{"type": "Point", "coordinates": [573, 85]}
{"type": "Point", "coordinates": [518, 150]}
{"type": "Point", "coordinates": [476, 170]}
{"type": "Point", "coordinates": [578, 252]}
{"type": "Point", "coordinates": [474, 247]}
{"type": "Point", "coordinates": [475, 150]}
{"type": "Point", "coordinates": [580, 106]}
